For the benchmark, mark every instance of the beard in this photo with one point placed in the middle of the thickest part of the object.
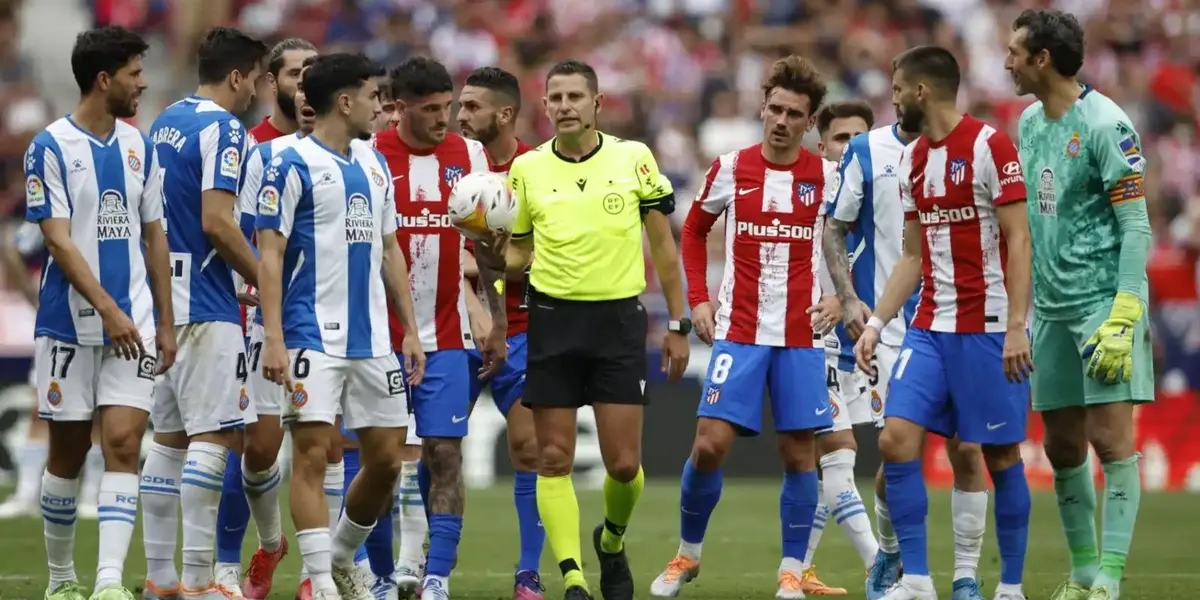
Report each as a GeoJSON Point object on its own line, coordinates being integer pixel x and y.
{"type": "Point", "coordinates": [123, 107]}
{"type": "Point", "coordinates": [488, 134]}
{"type": "Point", "coordinates": [911, 119]}
{"type": "Point", "coordinates": [286, 104]}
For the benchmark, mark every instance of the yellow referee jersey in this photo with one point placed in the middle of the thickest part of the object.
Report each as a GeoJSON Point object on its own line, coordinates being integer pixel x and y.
{"type": "Point", "coordinates": [585, 217]}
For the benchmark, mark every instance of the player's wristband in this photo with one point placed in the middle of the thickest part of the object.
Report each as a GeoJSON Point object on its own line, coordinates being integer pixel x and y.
{"type": "Point", "coordinates": [876, 323]}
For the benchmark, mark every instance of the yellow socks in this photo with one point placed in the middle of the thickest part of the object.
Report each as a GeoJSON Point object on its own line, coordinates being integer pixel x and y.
{"type": "Point", "coordinates": [619, 501]}
{"type": "Point", "coordinates": [559, 510]}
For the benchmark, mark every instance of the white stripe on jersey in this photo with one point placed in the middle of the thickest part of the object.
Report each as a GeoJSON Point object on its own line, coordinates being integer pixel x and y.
{"type": "Point", "coordinates": [108, 189]}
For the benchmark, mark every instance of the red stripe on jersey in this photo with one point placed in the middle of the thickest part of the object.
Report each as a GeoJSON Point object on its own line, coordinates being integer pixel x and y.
{"type": "Point", "coordinates": [803, 257]}
{"type": "Point", "coordinates": [265, 131]}
{"type": "Point", "coordinates": [747, 256]}
{"type": "Point", "coordinates": [514, 297]}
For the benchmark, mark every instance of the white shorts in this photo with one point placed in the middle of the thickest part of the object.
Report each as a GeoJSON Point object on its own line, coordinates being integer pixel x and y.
{"type": "Point", "coordinates": [857, 397]}
{"type": "Point", "coordinates": [204, 391]}
{"type": "Point", "coordinates": [266, 396]}
{"type": "Point", "coordinates": [369, 391]}
{"type": "Point", "coordinates": [73, 381]}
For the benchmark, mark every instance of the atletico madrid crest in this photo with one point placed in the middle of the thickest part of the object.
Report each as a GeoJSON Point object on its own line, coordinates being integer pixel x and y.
{"type": "Point", "coordinates": [958, 171]}
{"type": "Point", "coordinates": [807, 192]}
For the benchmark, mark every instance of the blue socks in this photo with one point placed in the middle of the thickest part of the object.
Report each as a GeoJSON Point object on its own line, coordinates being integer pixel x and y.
{"type": "Point", "coordinates": [529, 524]}
{"type": "Point", "coordinates": [233, 513]}
{"type": "Point", "coordinates": [908, 502]}
{"type": "Point", "coordinates": [1012, 508]}
{"type": "Point", "coordinates": [699, 493]}
{"type": "Point", "coordinates": [445, 530]}
{"type": "Point", "coordinates": [424, 479]}
{"type": "Point", "coordinates": [797, 507]}
{"type": "Point", "coordinates": [378, 548]}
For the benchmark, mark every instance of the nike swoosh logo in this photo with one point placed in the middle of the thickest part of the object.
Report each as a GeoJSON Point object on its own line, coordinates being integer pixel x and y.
{"type": "Point", "coordinates": [746, 191]}
{"type": "Point", "coordinates": [992, 427]}
{"type": "Point", "coordinates": [457, 419]}
{"type": "Point", "coordinates": [398, 178]}
{"type": "Point", "coordinates": [822, 411]}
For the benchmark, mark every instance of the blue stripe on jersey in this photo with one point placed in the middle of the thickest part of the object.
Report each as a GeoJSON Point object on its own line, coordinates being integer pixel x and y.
{"type": "Point", "coordinates": [54, 296]}
{"type": "Point", "coordinates": [358, 296]}
{"type": "Point", "coordinates": [114, 251]}
{"type": "Point", "coordinates": [862, 271]}
{"type": "Point", "coordinates": [299, 269]}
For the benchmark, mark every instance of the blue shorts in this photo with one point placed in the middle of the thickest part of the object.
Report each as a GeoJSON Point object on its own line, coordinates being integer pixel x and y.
{"type": "Point", "coordinates": [442, 401]}
{"type": "Point", "coordinates": [508, 384]}
{"type": "Point", "coordinates": [954, 384]}
{"type": "Point", "coordinates": [739, 375]}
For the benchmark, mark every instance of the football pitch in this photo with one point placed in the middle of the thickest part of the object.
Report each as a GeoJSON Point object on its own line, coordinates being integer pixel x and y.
{"type": "Point", "coordinates": [741, 553]}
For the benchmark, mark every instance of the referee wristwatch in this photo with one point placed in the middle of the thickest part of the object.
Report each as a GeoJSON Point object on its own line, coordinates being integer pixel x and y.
{"type": "Point", "coordinates": [682, 326]}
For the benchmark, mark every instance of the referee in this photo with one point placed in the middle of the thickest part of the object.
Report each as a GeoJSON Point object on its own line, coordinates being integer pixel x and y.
{"type": "Point", "coordinates": [583, 199]}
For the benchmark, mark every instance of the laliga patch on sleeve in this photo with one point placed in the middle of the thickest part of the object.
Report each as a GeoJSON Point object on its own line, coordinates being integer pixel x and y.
{"type": "Point", "coordinates": [268, 201]}
{"type": "Point", "coordinates": [230, 162]}
{"type": "Point", "coordinates": [35, 191]}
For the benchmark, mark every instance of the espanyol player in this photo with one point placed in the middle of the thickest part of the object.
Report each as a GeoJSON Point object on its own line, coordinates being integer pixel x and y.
{"type": "Point", "coordinates": [92, 185]}
{"type": "Point", "coordinates": [962, 368]}
{"type": "Point", "coordinates": [489, 103]}
{"type": "Point", "coordinates": [200, 404]}
{"type": "Point", "coordinates": [766, 336]}
{"type": "Point", "coordinates": [330, 263]}
{"type": "Point", "coordinates": [426, 161]}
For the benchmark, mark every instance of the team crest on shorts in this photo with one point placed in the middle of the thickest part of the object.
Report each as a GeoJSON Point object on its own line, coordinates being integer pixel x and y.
{"type": "Point", "coordinates": [243, 400]}
{"type": "Point", "coordinates": [299, 395]}
{"type": "Point", "coordinates": [1074, 145]}
{"type": "Point", "coordinates": [876, 401]}
{"type": "Point", "coordinates": [133, 161]}
{"type": "Point", "coordinates": [713, 395]}
{"type": "Point", "coordinates": [54, 394]}
{"type": "Point", "coordinates": [452, 174]}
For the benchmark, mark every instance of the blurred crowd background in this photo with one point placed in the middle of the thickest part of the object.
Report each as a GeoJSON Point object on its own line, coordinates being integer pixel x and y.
{"type": "Point", "coordinates": [681, 75]}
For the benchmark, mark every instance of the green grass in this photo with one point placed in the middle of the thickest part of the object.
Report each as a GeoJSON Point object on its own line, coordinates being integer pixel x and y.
{"type": "Point", "coordinates": [740, 558]}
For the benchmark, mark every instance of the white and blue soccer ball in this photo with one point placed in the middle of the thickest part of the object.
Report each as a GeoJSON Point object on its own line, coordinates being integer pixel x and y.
{"type": "Point", "coordinates": [481, 205]}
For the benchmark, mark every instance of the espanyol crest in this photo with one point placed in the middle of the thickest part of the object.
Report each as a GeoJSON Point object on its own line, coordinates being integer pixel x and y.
{"type": "Point", "coordinates": [958, 171]}
{"type": "Point", "coordinates": [807, 193]}
{"type": "Point", "coordinates": [452, 175]}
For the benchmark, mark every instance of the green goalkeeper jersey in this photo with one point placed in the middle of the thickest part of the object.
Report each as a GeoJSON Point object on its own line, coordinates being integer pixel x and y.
{"type": "Point", "coordinates": [1083, 179]}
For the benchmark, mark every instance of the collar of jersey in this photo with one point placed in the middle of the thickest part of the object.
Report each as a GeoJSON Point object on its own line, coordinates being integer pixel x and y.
{"type": "Point", "coordinates": [91, 136]}
{"type": "Point", "coordinates": [564, 158]}
{"type": "Point", "coordinates": [331, 151]}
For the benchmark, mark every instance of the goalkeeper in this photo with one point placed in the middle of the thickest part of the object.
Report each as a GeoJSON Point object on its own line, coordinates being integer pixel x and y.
{"type": "Point", "coordinates": [1083, 169]}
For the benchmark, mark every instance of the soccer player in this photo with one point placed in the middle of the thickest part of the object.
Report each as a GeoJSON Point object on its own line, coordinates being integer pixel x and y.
{"type": "Point", "coordinates": [1090, 239]}
{"type": "Point", "coordinates": [489, 103]}
{"type": "Point", "coordinates": [962, 368]}
{"type": "Point", "coordinates": [329, 265]}
{"type": "Point", "coordinates": [864, 224]}
{"type": "Point", "coordinates": [583, 199]}
{"type": "Point", "coordinates": [92, 184]}
{"type": "Point", "coordinates": [259, 479]}
{"type": "Point", "coordinates": [765, 335]}
{"type": "Point", "coordinates": [200, 403]}
{"type": "Point", "coordinates": [426, 162]}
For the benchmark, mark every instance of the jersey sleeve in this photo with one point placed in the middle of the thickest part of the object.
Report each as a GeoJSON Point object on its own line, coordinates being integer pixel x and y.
{"type": "Point", "coordinates": [844, 194]}
{"type": "Point", "coordinates": [1118, 151]}
{"type": "Point", "coordinates": [222, 148]}
{"type": "Point", "coordinates": [654, 190]}
{"type": "Point", "coordinates": [390, 221]}
{"type": "Point", "coordinates": [45, 180]}
{"type": "Point", "coordinates": [1000, 170]}
{"type": "Point", "coordinates": [282, 187]}
{"type": "Point", "coordinates": [522, 222]}
{"type": "Point", "coordinates": [152, 201]}
{"type": "Point", "coordinates": [712, 200]}
{"type": "Point", "coordinates": [907, 202]}
{"type": "Point", "coordinates": [252, 174]}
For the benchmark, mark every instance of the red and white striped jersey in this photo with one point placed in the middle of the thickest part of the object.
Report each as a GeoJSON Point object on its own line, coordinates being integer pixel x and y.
{"type": "Point", "coordinates": [954, 187]}
{"type": "Point", "coordinates": [432, 246]}
{"type": "Point", "coordinates": [772, 246]}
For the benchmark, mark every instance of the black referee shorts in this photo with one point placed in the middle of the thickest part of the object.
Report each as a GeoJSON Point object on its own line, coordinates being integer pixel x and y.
{"type": "Point", "coordinates": [582, 353]}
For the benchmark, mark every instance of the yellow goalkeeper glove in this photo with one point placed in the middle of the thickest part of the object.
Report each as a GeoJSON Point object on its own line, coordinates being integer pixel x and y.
{"type": "Point", "coordinates": [1109, 352]}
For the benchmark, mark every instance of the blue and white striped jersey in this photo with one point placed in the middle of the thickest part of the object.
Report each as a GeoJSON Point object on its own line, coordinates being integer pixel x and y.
{"type": "Point", "coordinates": [108, 189]}
{"type": "Point", "coordinates": [334, 213]}
{"type": "Point", "coordinates": [200, 147]}
{"type": "Point", "coordinates": [867, 194]}
{"type": "Point", "coordinates": [252, 172]}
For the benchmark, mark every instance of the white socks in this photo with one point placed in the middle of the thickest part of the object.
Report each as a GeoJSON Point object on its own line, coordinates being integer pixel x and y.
{"type": "Point", "coordinates": [118, 513]}
{"type": "Point", "coordinates": [30, 470]}
{"type": "Point", "coordinates": [262, 493]}
{"type": "Point", "coordinates": [347, 537]}
{"type": "Point", "coordinates": [818, 527]}
{"type": "Point", "coordinates": [969, 513]}
{"type": "Point", "coordinates": [845, 504]}
{"type": "Point", "coordinates": [58, 523]}
{"type": "Point", "coordinates": [335, 479]}
{"type": "Point", "coordinates": [314, 555]}
{"type": "Point", "coordinates": [412, 523]}
{"type": "Point", "coordinates": [161, 477]}
{"type": "Point", "coordinates": [883, 522]}
{"type": "Point", "coordinates": [200, 494]}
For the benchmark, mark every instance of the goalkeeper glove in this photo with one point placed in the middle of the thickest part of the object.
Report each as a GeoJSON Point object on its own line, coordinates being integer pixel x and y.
{"type": "Point", "coordinates": [1109, 352]}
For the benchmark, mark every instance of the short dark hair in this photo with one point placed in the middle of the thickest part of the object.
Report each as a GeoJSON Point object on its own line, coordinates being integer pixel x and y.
{"type": "Point", "coordinates": [103, 50]}
{"type": "Point", "coordinates": [418, 77]}
{"type": "Point", "coordinates": [844, 110]}
{"type": "Point", "coordinates": [275, 58]}
{"type": "Point", "coordinates": [497, 80]}
{"type": "Point", "coordinates": [1056, 32]}
{"type": "Point", "coordinates": [796, 74]}
{"type": "Point", "coordinates": [225, 50]}
{"type": "Point", "coordinates": [331, 74]}
{"type": "Point", "coordinates": [576, 67]}
{"type": "Point", "coordinates": [933, 65]}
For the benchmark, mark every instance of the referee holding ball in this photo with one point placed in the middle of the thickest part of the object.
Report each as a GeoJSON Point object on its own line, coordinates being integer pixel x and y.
{"type": "Point", "coordinates": [583, 198]}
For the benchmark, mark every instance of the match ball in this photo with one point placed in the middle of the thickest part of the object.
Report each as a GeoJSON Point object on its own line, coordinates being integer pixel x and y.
{"type": "Point", "coordinates": [481, 204]}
